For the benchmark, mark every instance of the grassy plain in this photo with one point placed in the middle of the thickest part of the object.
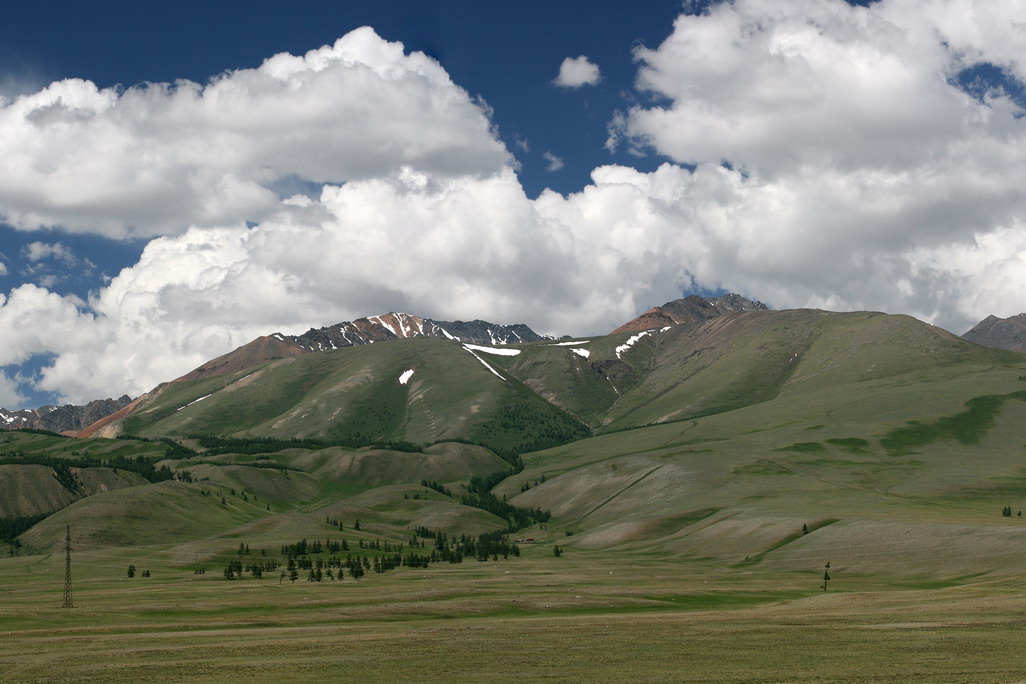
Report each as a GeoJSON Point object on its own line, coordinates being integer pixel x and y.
{"type": "Point", "coordinates": [585, 615]}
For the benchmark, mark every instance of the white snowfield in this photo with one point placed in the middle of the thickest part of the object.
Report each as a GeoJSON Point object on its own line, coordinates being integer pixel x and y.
{"type": "Point", "coordinates": [483, 362]}
{"type": "Point", "coordinates": [192, 402]}
{"type": "Point", "coordinates": [492, 350]}
{"type": "Point", "coordinates": [405, 377]}
{"type": "Point", "coordinates": [581, 352]}
{"type": "Point", "coordinates": [630, 342]}
{"type": "Point", "coordinates": [634, 338]}
{"type": "Point", "coordinates": [568, 344]}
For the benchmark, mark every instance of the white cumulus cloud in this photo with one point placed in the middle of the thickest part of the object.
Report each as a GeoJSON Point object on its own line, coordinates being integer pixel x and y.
{"type": "Point", "coordinates": [9, 394]}
{"type": "Point", "coordinates": [576, 72]}
{"type": "Point", "coordinates": [859, 166]}
{"type": "Point", "coordinates": [157, 157]}
{"type": "Point", "coordinates": [39, 251]}
{"type": "Point", "coordinates": [822, 155]}
{"type": "Point", "coordinates": [553, 163]}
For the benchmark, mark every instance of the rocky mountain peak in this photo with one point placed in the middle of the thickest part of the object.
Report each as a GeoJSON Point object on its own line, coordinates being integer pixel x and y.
{"type": "Point", "coordinates": [67, 419]}
{"type": "Point", "coordinates": [1000, 333]}
{"type": "Point", "coordinates": [691, 309]}
{"type": "Point", "coordinates": [383, 328]}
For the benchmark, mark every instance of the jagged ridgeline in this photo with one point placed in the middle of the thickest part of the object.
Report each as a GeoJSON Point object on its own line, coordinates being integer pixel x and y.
{"type": "Point", "coordinates": [528, 397]}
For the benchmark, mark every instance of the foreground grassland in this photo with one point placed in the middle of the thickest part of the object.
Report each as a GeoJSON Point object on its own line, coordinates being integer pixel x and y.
{"type": "Point", "coordinates": [536, 618]}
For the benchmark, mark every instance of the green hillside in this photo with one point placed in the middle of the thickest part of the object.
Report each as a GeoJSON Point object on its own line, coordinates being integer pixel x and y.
{"type": "Point", "coordinates": [781, 419]}
{"type": "Point", "coordinates": [353, 397]}
{"type": "Point", "coordinates": [43, 472]}
{"type": "Point", "coordinates": [937, 451]}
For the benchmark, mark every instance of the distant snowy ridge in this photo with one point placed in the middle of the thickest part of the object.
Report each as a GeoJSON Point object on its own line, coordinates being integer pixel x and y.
{"type": "Point", "coordinates": [66, 418]}
{"type": "Point", "coordinates": [395, 325]}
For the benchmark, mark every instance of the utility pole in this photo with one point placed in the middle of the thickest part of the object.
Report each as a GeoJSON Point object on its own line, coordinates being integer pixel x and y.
{"type": "Point", "coordinates": [67, 571]}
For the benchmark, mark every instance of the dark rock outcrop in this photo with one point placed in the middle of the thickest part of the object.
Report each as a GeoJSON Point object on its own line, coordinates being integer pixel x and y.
{"type": "Point", "coordinates": [68, 418]}
{"type": "Point", "coordinates": [1000, 333]}
{"type": "Point", "coordinates": [691, 309]}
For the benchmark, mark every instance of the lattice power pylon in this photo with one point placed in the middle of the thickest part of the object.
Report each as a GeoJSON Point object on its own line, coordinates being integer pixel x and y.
{"type": "Point", "coordinates": [67, 571]}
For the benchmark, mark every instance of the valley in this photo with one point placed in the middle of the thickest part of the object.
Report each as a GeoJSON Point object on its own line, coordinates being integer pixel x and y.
{"type": "Point", "coordinates": [679, 498]}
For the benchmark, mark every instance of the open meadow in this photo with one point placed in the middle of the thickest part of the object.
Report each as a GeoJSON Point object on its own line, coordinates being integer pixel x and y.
{"type": "Point", "coordinates": [583, 615]}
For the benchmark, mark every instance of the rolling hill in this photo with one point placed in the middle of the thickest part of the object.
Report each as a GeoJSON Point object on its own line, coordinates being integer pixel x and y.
{"type": "Point", "coordinates": [718, 438]}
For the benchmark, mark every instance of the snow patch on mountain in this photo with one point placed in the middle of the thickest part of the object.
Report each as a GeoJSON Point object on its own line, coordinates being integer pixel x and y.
{"type": "Point", "coordinates": [492, 350]}
{"type": "Point", "coordinates": [483, 362]}
{"type": "Point", "coordinates": [405, 377]}
{"type": "Point", "coordinates": [11, 418]}
{"type": "Point", "coordinates": [631, 341]}
{"type": "Point", "coordinates": [192, 402]}
{"type": "Point", "coordinates": [581, 352]}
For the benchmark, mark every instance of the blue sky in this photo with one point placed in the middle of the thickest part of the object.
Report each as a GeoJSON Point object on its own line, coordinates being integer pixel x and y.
{"type": "Point", "coordinates": [169, 189]}
{"type": "Point", "coordinates": [508, 53]}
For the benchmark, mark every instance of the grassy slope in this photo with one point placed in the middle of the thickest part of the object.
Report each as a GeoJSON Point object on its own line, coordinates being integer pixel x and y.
{"type": "Point", "coordinates": [823, 454]}
{"type": "Point", "coordinates": [34, 490]}
{"type": "Point", "coordinates": [821, 401]}
{"type": "Point", "coordinates": [333, 482]}
{"type": "Point", "coordinates": [57, 446]}
{"type": "Point", "coordinates": [834, 416]}
{"type": "Point", "coordinates": [354, 395]}
{"type": "Point", "coordinates": [736, 361]}
{"type": "Point", "coordinates": [684, 372]}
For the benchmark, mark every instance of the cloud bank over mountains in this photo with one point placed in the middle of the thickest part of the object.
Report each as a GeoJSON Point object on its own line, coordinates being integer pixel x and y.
{"type": "Point", "coordinates": [818, 154]}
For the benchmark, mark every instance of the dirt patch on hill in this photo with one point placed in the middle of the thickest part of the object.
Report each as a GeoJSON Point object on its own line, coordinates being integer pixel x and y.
{"type": "Point", "coordinates": [374, 467]}
{"type": "Point", "coordinates": [30, 490]}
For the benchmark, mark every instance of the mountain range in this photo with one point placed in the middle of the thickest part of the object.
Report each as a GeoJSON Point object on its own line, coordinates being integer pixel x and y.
{"type": "Point", "coordinates": [711, 438]}
{"type": "Point", "coordinates": [68, 418]}
{"type": "Point", "coordinates": [384, 328]}
{"type": "Point", "coordinates": [1009, 333]}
